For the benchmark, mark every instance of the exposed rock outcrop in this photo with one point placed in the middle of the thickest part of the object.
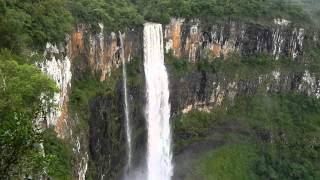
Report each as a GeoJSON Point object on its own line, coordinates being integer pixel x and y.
{"type": "Point", "coordinates": [194, 39]}
{"type": "Point", "coordinates": [101, 50]}
{"type": "Point", "coordinates": [101, 147]}
{"type": "Point", "coordinates": [107, 132]}
{"type": "Point", "coordinates": [100, 54]}
{"type": "Point", "coordinates": [58, 67]}
{"type": "Point", "coordinates": [205, 90]}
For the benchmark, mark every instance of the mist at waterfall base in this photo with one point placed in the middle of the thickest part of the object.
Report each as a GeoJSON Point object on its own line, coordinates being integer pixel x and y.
{"type": "Point", "coordinates": [157, 110]}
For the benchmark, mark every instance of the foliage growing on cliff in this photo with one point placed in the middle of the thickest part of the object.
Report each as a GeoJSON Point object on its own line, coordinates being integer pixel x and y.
{"type": "Point", "coordinates": [178, 66]}
{"type": "Point", "coordinates": [87, 93]}
{"type": "Point", "coordinates": [247, 67]}
{"type": "Point", "coordinates": [240, 67]}
{"type": "Point", "coordinates": [60, 154]}
{"type": "Point", "coordinates": [23, 89]}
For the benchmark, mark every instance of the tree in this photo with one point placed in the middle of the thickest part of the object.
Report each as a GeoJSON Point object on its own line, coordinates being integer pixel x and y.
{"type": "Point", "coordinates": [23, 89]}
{"type": "Point", "coordinates": [31, 24]}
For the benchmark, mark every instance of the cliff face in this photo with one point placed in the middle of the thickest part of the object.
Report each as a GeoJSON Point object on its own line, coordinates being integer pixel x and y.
{"type": "Point", "coordinates": [107, 132]}
{"type": "Point", "coordinates": [100, 147]}
{"type": "Point", "coordinates": [101, 50]}
{"type": "Point", "coordinates": [58, 67]}
{"type": "Point", "coordinates": [205, 90]}
{"type": "Point", "coordinates": [194, 39]}
{"type": "Point", "coordinates": [98, 53]}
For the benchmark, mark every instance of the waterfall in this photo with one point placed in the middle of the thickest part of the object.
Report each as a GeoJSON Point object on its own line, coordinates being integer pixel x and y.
{"type": "Point", "coordinates": [126, 106]}
{"type": "Point", "coordinates": [159, 155]}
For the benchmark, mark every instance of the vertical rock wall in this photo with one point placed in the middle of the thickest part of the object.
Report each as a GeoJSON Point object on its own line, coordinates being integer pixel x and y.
{"type": "Point", "coordinates": [204, 91]}
{"type": "Point", "coordinates": [99, 53]}
{"type": "Point", "coordinates": [101, 50]}
{"type": "Point", "coordinates": [194, 40]}
{"type": "Point", "coordinates": [58, 67]}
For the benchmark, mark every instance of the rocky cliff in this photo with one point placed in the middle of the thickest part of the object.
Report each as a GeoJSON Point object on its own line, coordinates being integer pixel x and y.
{"type": "Point", "coordinates": [194, 39]}
{"type": "Point", "coordinates": [205, 90]}
{"type": "Point", "coordinates": [97, 54]}
{"type": "Point", "coordinates": [99, 144]}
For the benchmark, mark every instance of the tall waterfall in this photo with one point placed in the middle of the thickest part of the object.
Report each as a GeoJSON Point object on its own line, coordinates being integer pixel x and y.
{"type": "Point", "coordinates": [126, 106]}
{"type": "Point", "coordinates": [159, 155]}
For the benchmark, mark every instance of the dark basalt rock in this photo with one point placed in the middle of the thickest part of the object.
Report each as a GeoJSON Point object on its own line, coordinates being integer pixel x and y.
{"type": "Point", "coordinates": [199, 88]}
{"type": "Point", "coordinates": [107, 136]}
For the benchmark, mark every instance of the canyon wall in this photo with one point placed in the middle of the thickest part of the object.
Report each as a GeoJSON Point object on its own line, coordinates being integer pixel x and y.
{"type": "Point", "coordinates": [97, 53]}
{"type": "Point", "coordinates": [100, 51]}
{"type": "Point", "coordinates": [194, 40]}
{"type": "Point", "coordinates": [99, 147]}
{"type": "Point", "coordinates": [205, 90]}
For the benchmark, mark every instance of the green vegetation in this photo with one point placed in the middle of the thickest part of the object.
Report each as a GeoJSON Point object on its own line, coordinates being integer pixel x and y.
{"type": "Point", "coordinates": [60, 154]}
{"type": "Point", "coordinates": [281, 140]}
{"type": "Point", "coordinates": [23, 90]}
{"type": "Point", "coordinates": [115, 14]}
{"type": "Point", "coordinates": [220, 10]}
{"type": "Point", "coordinates": [247, 67]}
{"type": "Point", "coordinates": [28, 24]}
{"type": "Point", "coordinates": [288, 129]}
{"type": "Point", "coordinates": [194, 126]}
{"type": "Point", "coordinates": [31, 24]}
{"type": "Point", "coordinates": [311, 7]}
{"type": "Point", "coordinates": [237, 67]}
{"type": "Point", "coordinates": [178, 67]}
{"type": "Point", "coordinates": [230, 162]}
{"type": "Point", "coordinates": [88, 88]}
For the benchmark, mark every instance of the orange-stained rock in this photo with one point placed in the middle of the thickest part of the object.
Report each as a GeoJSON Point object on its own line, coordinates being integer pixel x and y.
{"type": "Point", "coordinates": [176, 38]}
{"type": "Point", "coordinates": [61, 125]}
{"type": "Point", "coordinates": [173, 35]}
{"type": "Point", "coordinates": [76, 44]}
{"type": "Point", "coordinates": [216, 50]}
{"type": "Point", "coordinates": [193, 43]}
{"type": "Point", "coordinates": [227, 49]}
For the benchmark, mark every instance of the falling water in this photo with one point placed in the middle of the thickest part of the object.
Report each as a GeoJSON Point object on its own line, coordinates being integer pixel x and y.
{"type": "Point", "coordinates": [159, 155]}
{"type": "Point", "coordinates": [126, 106]}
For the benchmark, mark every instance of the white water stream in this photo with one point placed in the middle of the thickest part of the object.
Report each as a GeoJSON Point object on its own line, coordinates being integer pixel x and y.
{"type": "Point", "coordinates": [126, 106]}
{"type": "Point", "coordinates": [159, 154]}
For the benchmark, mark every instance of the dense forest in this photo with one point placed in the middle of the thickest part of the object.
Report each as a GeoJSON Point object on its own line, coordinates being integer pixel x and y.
{"type": "Point", "coordinates": [26, 26]}
{"type": "Point", "coordinates": [30, 24]}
